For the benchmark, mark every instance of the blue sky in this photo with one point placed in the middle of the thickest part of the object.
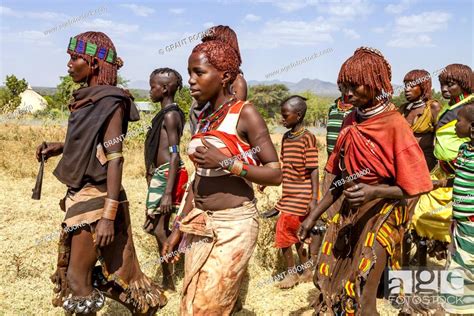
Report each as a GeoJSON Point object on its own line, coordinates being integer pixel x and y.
{"type": "Point", "coordinates": [272, 34]}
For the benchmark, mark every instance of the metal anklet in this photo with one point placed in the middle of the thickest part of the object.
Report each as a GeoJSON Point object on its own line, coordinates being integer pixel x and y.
{"type": "Point", "coordinates": [85, 304]}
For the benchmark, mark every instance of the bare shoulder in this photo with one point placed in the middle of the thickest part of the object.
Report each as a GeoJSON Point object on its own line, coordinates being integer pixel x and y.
{"type": "Point", "coordinates": [435, 105]}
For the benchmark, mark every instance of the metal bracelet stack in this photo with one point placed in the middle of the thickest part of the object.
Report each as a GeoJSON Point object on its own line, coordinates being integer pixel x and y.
{"type": "Point", "coordinates": [85, 304]}
{"type": "Point", "coordinates": [319, 229]}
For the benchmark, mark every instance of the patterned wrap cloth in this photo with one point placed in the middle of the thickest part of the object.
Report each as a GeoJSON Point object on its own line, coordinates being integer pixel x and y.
{"type": "Point", "coordinates": [214, 270]}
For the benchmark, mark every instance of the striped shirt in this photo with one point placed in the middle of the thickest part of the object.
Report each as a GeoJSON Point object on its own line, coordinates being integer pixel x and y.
{"type": "Point", "coordinates": [335, 118]}
{"type": "Point", "coordinates": [300, 158]}
{"type": "Point", "coordinates": [463, 188]}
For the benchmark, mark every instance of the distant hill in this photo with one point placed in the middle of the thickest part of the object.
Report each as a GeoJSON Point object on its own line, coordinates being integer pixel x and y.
{"type": "Point", "coordinates": [319, 87]}
{"type": "Point", "coordinates": [140, 88]}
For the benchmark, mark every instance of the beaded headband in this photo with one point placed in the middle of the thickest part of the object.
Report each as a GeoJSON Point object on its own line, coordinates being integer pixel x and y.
{"type": "Point", "coordinates": [91, 49]}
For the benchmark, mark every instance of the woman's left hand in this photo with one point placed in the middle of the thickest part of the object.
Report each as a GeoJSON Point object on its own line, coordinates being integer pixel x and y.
{"type": "Point", "coordinates": [360, 194]}
{"type": "Point", "coordinates": [210, 157]}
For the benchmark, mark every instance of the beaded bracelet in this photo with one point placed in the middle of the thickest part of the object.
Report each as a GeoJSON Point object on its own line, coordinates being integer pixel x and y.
{"type": "Point", "coordinates": [245, 169]}
{"type": "Point", "coordinates": [237, 167]}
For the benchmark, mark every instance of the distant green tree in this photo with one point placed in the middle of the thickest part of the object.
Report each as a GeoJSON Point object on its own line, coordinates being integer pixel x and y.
{"type": "Point", "coordinates": [10, 95]}
{"type": "Point", "coordinates": [267, 98]}
{"type": "Point", "coordinates": [122, 81]}
{"type": "Point", "coordinates": [318, 107]}
{"type": "Point", "coordinates": [184, 99]}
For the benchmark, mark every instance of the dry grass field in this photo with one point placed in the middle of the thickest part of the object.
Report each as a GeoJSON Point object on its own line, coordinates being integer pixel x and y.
{"type": "Point", "coordinates": [29, 230]}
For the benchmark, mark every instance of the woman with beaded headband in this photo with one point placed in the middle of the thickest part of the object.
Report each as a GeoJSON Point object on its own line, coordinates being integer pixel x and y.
{"type": "Point", "coordinates": [239, 86]}
{"type": "Point", "coordinates": [221, 227]}
{"type": "Point", "coordinates": [432, 214]}
{"type": "Point", "coordinates": [372, 167]}
{"type": "Point", "coordinates": [100, 113]}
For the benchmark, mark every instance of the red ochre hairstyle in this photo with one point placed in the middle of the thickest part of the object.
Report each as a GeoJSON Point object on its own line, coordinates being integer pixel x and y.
{"type": "Point", "coordinates": [370, 68]}
{"type": "Point", "coordinates": [422, 78]}
{"type": "Point", "coordinates": [220, 55]}
{"type": "Point", "coordinates": [462, 74]}
{"type": "Point", "coordinates": [225, 34]}
{"type": "Point", "coordinates": [97, 45]}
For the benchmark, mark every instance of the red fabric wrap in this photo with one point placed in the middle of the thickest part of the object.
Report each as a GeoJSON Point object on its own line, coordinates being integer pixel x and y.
{"type": "Point", "coordinates": [384, 144]}
{"type": "Point", "coordinates": [180, 186]}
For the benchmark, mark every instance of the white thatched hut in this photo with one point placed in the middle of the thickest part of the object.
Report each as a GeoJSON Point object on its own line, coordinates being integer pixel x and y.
{"type": "Point", "coordinates": [31, 102]}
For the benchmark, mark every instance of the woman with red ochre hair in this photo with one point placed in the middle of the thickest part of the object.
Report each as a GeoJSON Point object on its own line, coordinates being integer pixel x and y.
{"type": "Point", "coordinates": [97, 220]}
{"type": "Point", "coordinates": [239, 86]}
{"type": "Point", "coordinates": [421, 111]}
{"type": "Point", "coordinates": [219, 219]}
{"type": "Point", "coordinates": [433, 212]}
{"type": "Point", "coordinates": [372, 167]}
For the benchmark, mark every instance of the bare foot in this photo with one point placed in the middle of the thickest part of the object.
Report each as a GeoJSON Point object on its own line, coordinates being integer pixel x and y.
{"type": "Point", "coordinates": [288, 282]}
{"type": "Point", "coordinates": [307, 276]}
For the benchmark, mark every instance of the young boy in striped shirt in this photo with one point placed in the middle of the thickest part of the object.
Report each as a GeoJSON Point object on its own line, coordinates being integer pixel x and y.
{"type": "Point", "coordinates": [299, 155]}
{"type": "Point", "coordinates": [462, 229]}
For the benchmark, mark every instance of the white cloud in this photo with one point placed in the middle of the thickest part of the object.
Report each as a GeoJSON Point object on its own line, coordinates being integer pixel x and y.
{"type": "Point", "coordinates": [378, 30]}
{"type": "Point", "coordinates": [139, 10]}
{"type": "Point", "coordinates": [31, 38]}
{"type": "Point", "coordinates": [421, 40]}
{"type": "Point", "coordinates": [400, 7]}
{"type": "Point", "coordinates": [177, 11]}
{"type": "Point", "coordinates": [252, 17]}
{"type": "Point", "coordinates": [40, 15]}
{"type": "Point", "coordinates": [347, 9]}
{"type": "Point", "coordinates": [351, 34]}
{"type": "Point", "coordinates": [294, 33]}
{"type": "Point", "coordinates": [170, 36]}
{"type": "Point", "coordinates": [108, 26]}
{"type": "Point", "coordinates": [425, 22]}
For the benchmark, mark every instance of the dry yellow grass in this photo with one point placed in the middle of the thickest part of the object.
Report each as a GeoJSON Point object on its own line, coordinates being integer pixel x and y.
{"type": "Point", "coordinates": [28, 234]}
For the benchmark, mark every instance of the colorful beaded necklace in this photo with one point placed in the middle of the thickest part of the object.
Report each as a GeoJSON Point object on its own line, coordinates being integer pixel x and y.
{"type": "Point", "coordinates": [214, 119]}
{"type": "Point", "coordinates": [292, 135]}
{"type": "Point", "coordinates": [459, 98]}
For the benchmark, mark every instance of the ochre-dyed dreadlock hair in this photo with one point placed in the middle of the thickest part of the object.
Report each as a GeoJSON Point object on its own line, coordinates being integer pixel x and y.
{"type": "Point", "coordinates": [169, 71]}
{"type": "Point", "coordinates": [107, 69]}
{"type": "Point", "coordinates": [220, 55]}
{"type": "Point", "coordinates": [225, 34]}
{"type": "Point", "coordinates": [462, 74]}
{"type": "Point", "coordinates": [370, 68]}
{"type": "Point", "coordinates": [422, 78]}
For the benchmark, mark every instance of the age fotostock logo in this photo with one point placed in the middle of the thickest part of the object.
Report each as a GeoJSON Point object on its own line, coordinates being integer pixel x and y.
{"type": "Point", "coordinates": [425, 282]}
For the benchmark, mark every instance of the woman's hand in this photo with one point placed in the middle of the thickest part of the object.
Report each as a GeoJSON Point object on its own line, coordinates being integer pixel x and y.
{"type": "Point", "coordinates": [104, 232]}
{"type": "Point", "coordinates": [209, 156]}
{"type": "Point", "coordinates": [51, 150]}
{"type": "Point", "coordinates": [439, 183]}
{"type": "Point", "coordinates": [305, 228]}
{"type": "Point", "coordinates": [360, 194]}
{"type": "Point", "coordinates": [171, 242]}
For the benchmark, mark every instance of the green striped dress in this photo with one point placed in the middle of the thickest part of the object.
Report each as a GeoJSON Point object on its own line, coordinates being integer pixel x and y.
{"type": "Point", "coordinates": [463, 231]}
{"type": "Point", "coordinates": [335, 119]}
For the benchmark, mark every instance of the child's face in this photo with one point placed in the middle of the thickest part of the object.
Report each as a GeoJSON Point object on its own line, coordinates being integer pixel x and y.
{"type": "Point", "coordinates": [205, 81]}
{"type": "Point", "coordinates": [289, 116]}
{"type": "Point", "coordinates": [79, 69]}
{"type": "Point", "coordinates": [463, 125]}
{"type": "Point", "coordinates": [412, 92]}
{"type": "Point", "coordinates": [156, 89]}
{"type": "Point", "coordinates": [450, 89]}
